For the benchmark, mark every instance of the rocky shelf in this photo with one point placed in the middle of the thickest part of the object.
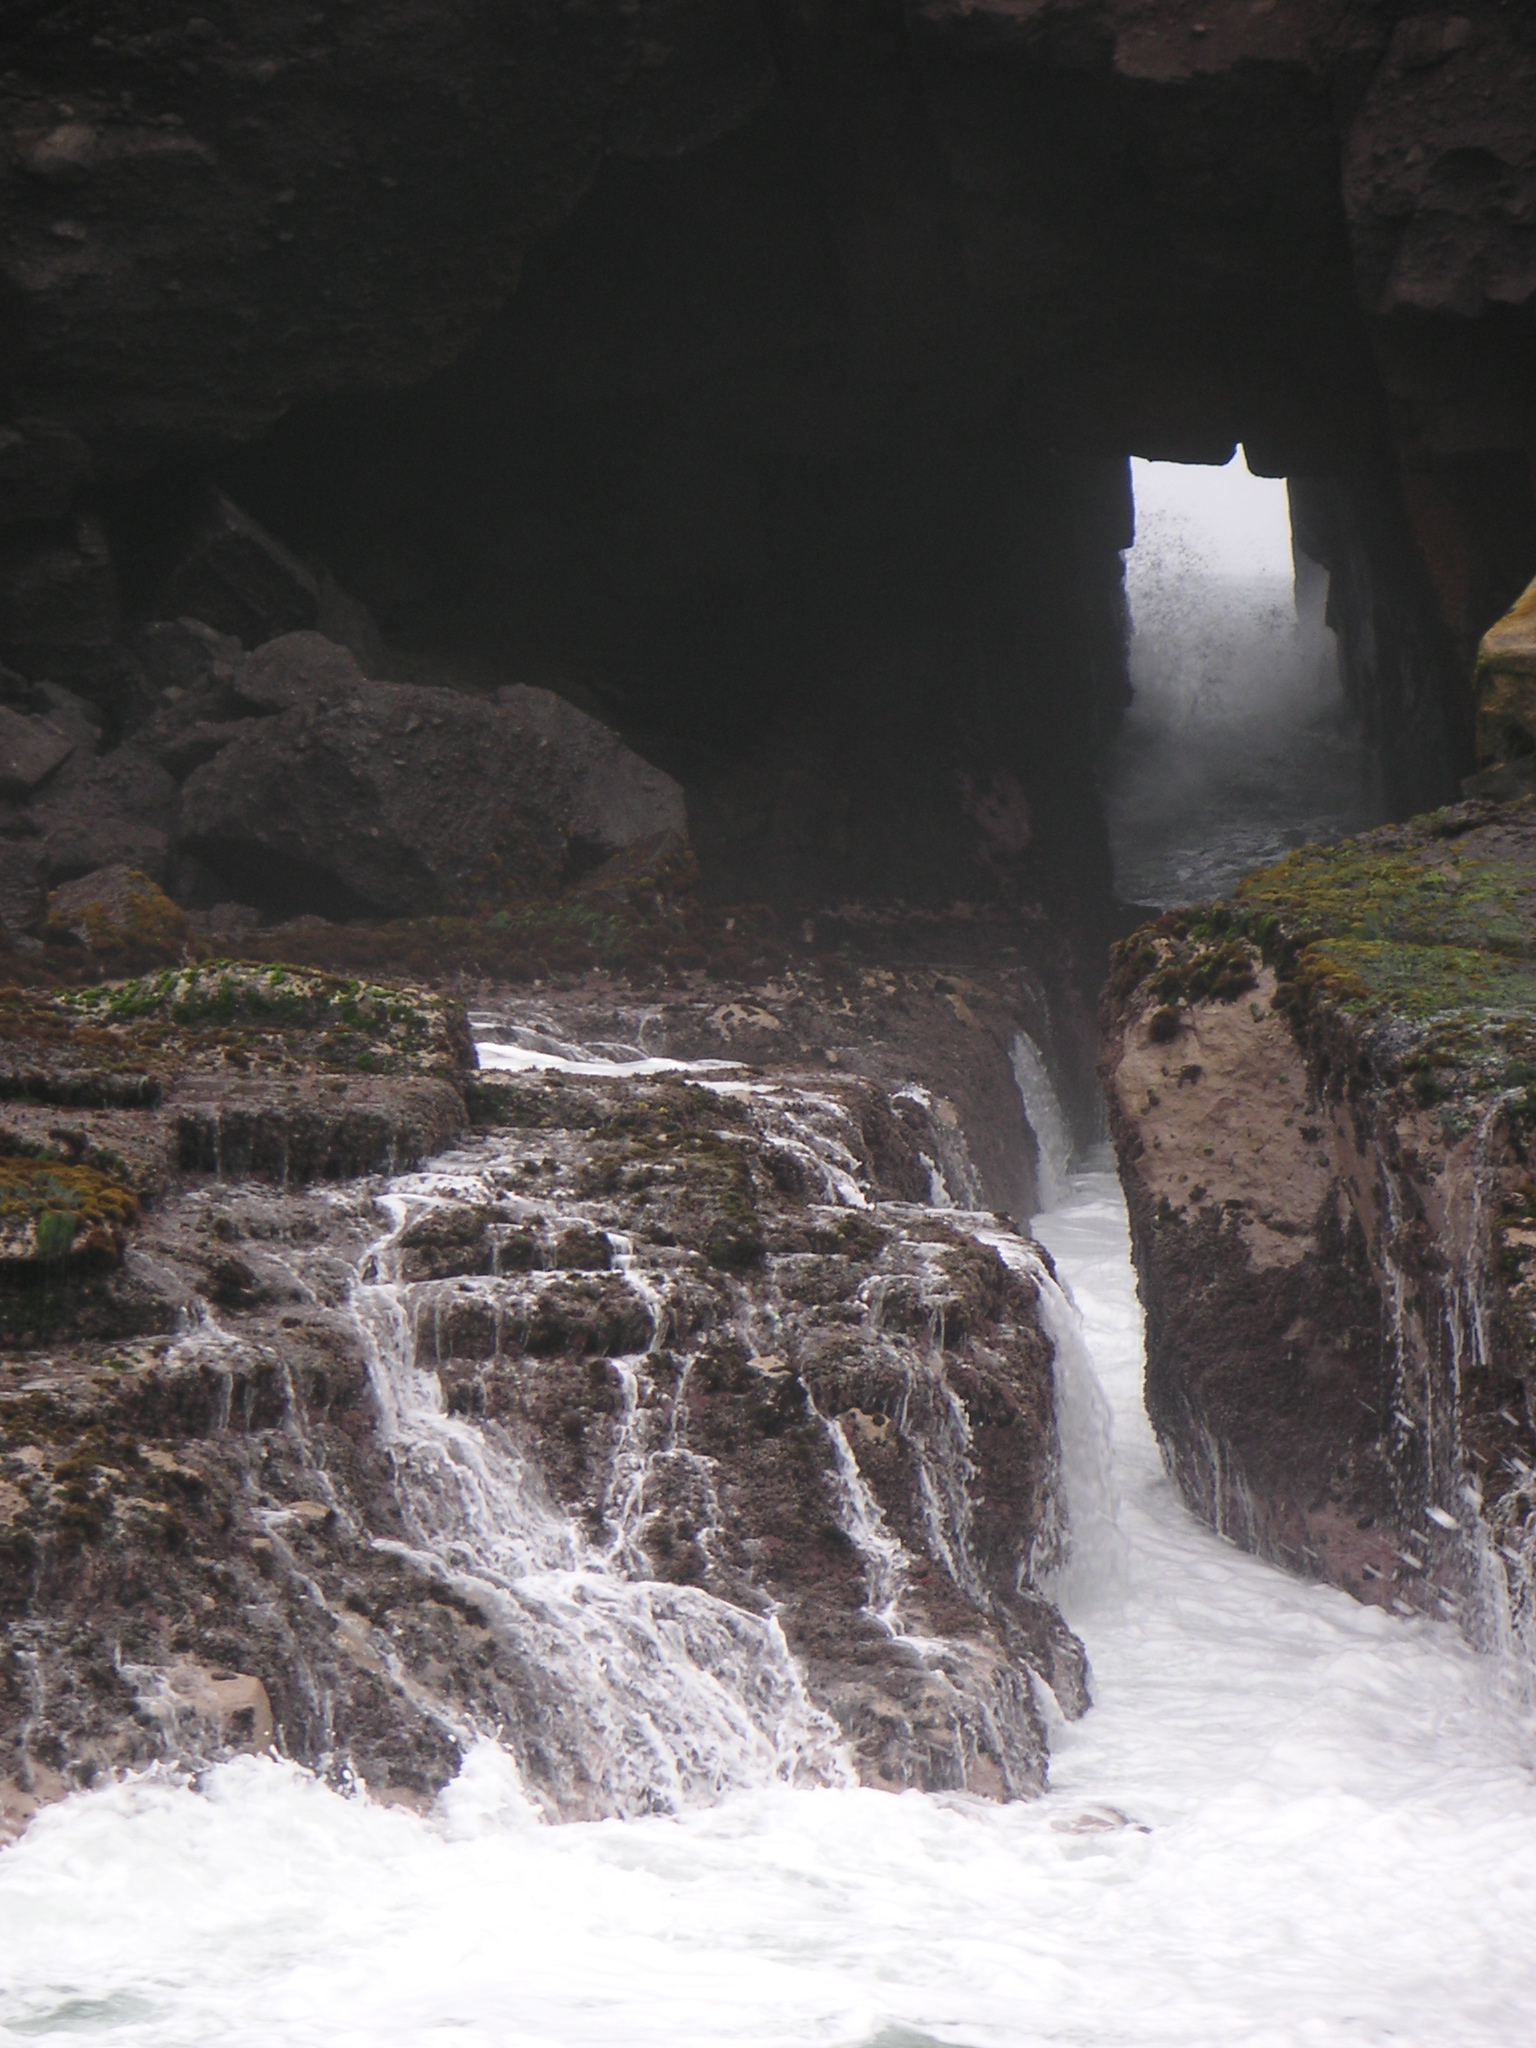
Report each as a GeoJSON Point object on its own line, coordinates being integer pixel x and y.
{"type": "Point", "coordinates": [683, 1425]}
{"type": "Point", "coordinates": [1323, 1097]}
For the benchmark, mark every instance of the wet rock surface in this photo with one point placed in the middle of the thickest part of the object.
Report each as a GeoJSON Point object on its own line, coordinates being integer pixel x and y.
{"type": "Point", "coordinates": [663, 1423]}
{"type": "Point", "coordinates": [1320, 1097]}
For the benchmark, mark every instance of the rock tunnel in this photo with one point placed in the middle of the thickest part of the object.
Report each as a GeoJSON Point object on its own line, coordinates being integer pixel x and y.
{"type": "Point", "coordinates": [764, 378]}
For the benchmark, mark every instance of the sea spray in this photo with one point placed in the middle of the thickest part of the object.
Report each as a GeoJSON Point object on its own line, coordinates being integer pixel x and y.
{"type": "Point", "coordinates": [1289, 1818]}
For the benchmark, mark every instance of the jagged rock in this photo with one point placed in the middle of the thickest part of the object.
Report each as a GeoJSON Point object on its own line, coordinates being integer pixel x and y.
{"type": "Point", "coordinates": [120, 811]}
{"type": "Point", "coordinates": [42, 465]}
{"type": "Point", "coordinates": [388, 798]}
{"type": "Point", "coordinates": [118, 909]}
{"type": "Point", "coordinates": [1321, 1098]}
{"type": "Point", "coordinates": [293, 1132]}
{"type": "Point", "coordinates": [234, 576]}
{"type": "Point", "coordinates": [134, 1042]}
{"type": "Point", "coordinates": [184, 659]}
{"type": "Point", "coordinates": [30, 749]}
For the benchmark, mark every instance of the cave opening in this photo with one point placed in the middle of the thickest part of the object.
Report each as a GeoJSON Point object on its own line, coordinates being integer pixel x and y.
{"type": "Point", "coordinates": [1240, 741]}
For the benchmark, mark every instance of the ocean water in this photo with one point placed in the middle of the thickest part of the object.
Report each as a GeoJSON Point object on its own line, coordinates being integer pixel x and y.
{"type": "Point", "coordinates": [1288, 1820]}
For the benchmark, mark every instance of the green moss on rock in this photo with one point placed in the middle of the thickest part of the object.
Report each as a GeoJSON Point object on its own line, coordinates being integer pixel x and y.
{"type": "Point", "coordinates": [250, 1009]}
{"type": "Point", "coordinates": [1422, 936]}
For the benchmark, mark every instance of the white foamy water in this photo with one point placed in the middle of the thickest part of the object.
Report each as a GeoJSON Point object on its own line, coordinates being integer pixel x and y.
{"type": "Point", "coordinates": [1289, 1820]}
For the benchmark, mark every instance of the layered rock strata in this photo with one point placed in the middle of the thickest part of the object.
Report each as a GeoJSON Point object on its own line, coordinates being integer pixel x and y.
{"type": "Point", "coordinates": [668, 1427]}
{"type": "Point", "coordinates": [1321, 1098]}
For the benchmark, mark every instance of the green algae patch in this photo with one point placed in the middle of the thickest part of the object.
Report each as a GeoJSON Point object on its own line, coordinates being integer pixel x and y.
{"type": "Point", "coordinates": [1415, 982]}
{"type": "Point", "coordinates": [52, 1210]}
{"type": "Point", "coordinates": [262, 1013]}
{"type": "Point", "coordinates": [1196, 956]}
{"type": "Point", "coordinates": [1437, 896]}
{"type": "Point", "coordinates": [1418, 939]}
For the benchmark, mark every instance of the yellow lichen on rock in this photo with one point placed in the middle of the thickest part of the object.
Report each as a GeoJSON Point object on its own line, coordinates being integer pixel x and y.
{"type": "Point", "coordinates": [120, 910]}
{"type": "Point", "coordinates": [51, 1211]}
{"type": "Point", "coordinates": [1506, 684]}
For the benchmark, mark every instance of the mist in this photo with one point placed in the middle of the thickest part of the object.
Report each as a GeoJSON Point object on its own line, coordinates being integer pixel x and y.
{"type": "Point", "coordinates": [1239, 744]}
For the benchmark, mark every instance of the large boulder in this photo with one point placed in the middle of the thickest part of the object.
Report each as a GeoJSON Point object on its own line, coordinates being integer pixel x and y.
{"type": "Point", "coordinates": [355, 797]}
{"type": "Point", "coordinates": [1321, 1094]}
{"type": "Point", "coordinates": [236, 577]}
{"type": "Point", "coordinates": [244, 583]}
{"type": "Point", "coordinates": [120, 809]}
{"type": "Point", "coordinates": [118, 909]}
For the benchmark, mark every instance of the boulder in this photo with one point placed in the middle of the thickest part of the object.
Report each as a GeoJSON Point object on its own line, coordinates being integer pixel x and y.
{"type": "Point", "coordinates": [1506, 691]}
{"type": "Point", "coordinates": [374, 798]}
{"type": "Point", "coordinates": [118, 909]}
{"type": "Point", "coordinates": [122, 808]}
{"type": "Point", "coordinates": [616, 798]}
{"type": "Point", "coordinates": [237, 578]}
{"type": "Point", "coordinates": [42, 465]}
{"type": "Point", "coordinates": [31, 748]}
{"type": "Point", "coordinates": [1320, 1092]}
{"type": "Point", "coordinates": [296, 669]}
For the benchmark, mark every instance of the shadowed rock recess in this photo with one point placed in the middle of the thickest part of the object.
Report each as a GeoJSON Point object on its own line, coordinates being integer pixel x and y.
{"type": "Point", "coordinates": [677, 1428]}
{"type": "Point", "coordinates": [760, 378]}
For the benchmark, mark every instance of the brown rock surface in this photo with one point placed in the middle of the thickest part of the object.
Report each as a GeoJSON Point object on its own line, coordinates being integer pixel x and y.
{"type": "Point", "coordinates": [1320, 1098]}
{"type": "Point", "coordinates": [30, 749]}
{"type": "Point", "coordinates": [728, 1386]}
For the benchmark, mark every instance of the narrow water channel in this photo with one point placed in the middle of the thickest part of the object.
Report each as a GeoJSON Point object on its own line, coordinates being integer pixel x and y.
{"type": "Point", "coordinates": [1288, 1819]}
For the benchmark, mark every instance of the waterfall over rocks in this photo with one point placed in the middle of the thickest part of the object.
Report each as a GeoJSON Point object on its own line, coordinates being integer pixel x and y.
{"type": "Point", "coordinates": [661, 1431]}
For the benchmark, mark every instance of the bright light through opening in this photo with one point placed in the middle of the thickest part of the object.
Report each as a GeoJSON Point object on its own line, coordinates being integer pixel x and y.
{"type": "Point", "coordinates": [1215, 522]}
{"type": "Point", "coordinates": [1238, 744]}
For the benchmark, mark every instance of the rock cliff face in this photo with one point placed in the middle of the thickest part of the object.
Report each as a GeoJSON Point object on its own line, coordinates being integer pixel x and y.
{"type": "Point", "coordinates": [674, 1424]}
{"type": "Point", "coordinates": [763, 375]}
{"type": "Point", "coordinates": [1321, 1099]}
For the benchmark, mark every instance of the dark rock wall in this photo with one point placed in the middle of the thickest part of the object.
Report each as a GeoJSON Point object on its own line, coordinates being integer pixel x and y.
{"type": "Point", "coordinates": [761, 374]}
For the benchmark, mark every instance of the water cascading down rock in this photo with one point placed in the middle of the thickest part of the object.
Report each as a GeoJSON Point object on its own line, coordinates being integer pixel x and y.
{"type": "Point", "coordinates": [663, 1430]}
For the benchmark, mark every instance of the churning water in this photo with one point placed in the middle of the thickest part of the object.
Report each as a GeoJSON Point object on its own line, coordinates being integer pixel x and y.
{"type": "Point", "coordinates": [1288, 1820]}
{"type": "Point", "coordinates": [1238, 744]}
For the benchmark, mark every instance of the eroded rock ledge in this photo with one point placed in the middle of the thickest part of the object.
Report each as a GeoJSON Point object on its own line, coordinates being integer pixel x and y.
{"type": "Point", "coordinates": [666, 1423]}
{"type": "Point", "coordinates": [1323, 1097]}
